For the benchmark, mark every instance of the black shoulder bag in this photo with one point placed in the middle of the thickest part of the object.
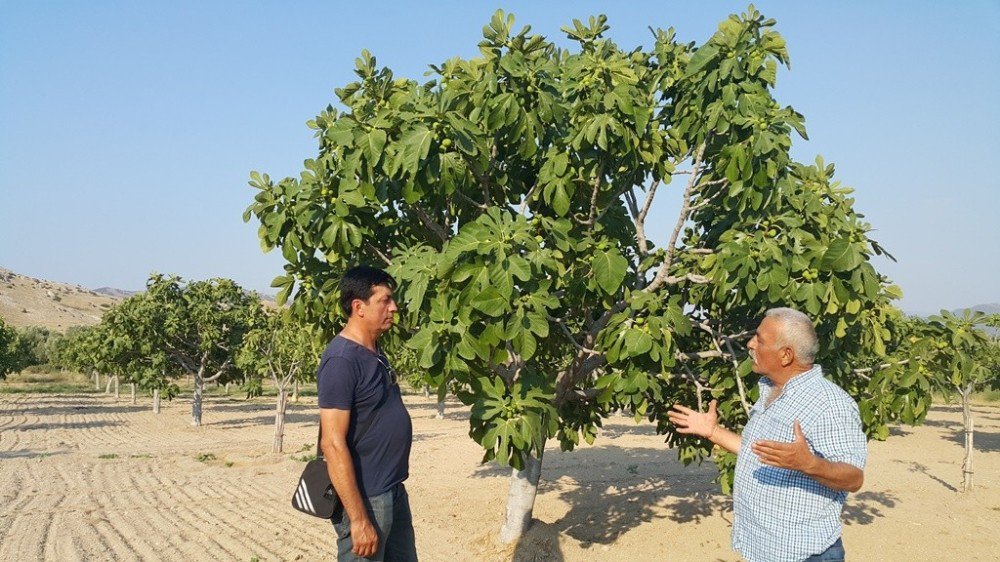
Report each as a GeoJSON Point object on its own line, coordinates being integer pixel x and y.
{"type": "Point", "coordinates": [314, 494]}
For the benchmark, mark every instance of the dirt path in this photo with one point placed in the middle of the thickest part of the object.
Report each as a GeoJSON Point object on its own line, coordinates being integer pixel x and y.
{"type": "Point", "coordinates": [626, 498]}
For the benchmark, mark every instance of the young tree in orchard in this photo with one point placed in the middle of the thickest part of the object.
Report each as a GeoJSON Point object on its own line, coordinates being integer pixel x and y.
{"type": "Point", "coordinates": [80, 352]}
{"type": "Point", "coordinates": [516, 197]}
{"type": "Point", "coordinates": [200, 326]}
{"type": "Point", "coordinates": [13, 354]}
{"type": "Point", "coordinates": [282, 349]}
{"type": "Point", "coordinates": [964, 359]}
{"type": "Point", "coordinates": [135, 351]}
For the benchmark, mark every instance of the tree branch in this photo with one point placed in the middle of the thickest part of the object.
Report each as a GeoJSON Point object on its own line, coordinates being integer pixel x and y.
{"type": "Point", "coordinates": [569, 336]}
{"type": "Point", "coordinates": [378, 253]}
{"type": "Point", "coordinates": [593, 195]}
{"type": "Point", "coordinates": [640, 218]}
{"type": "Point", "coordinates": [681, 219]}
{"type": "Point", "coordinates": [430, 223]}
{"type": "Point", "coordinates": [471, 201]}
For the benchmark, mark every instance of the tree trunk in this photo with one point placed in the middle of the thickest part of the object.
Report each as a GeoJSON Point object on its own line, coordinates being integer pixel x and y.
{"type": "Point", "coordinates": [521, 499]}
{"type": "Point", "coordinates": [117, 393]}
{"type": "Point", "coordinates": [227, 389]}
{"type": "Point", "coordinates": [199, 391]}
{"type": "Point", "coordinates": [133, 392]}
{"type": "Point", "coordinates": [107, 387]}
{"type": "Point", "coordinates": [156, 400]}
{"type": "Point", "coordinates": [295, 392]}
{"type": "Point", "coordinates": [97, 380]}
{"type": "Point", "coordinates": [427, 391]}
{"type": "Point", "coordinates": [440, 412]}
{"type": "Point", "coordinates": [279, 420]}
{"type": "Point", "coordinates": [967, 418]}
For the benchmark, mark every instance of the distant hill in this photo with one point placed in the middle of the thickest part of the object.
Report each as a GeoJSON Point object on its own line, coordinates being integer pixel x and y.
{"type": "Point", "coordinates": [991, 308]}
{"type": "Point", "coordinates": [114, 293]}
{"type": "Point", "coordinates": [26, 301]}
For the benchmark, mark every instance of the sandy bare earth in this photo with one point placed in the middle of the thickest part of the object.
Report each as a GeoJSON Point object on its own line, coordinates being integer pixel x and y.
{"type": "Point", "coordinates": [625, 498]}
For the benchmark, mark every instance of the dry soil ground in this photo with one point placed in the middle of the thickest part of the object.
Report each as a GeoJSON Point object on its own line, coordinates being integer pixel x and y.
{"type": "Point", "coordinates": [86, 477]}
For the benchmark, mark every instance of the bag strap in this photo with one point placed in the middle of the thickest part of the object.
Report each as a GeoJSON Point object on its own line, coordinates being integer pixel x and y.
{"type": "Point", "coordinates": [358, 434]}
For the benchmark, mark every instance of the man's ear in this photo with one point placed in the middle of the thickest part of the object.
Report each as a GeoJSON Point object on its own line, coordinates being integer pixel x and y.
{"type": "Point", "coordinates": [356, 307]}
{"type": "Point", "coordinates": [787, 356]}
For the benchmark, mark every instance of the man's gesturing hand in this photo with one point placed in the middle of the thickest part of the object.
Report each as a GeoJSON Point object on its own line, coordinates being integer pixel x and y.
{"type": "Point", "coordinates": [697, 423]}
{"type": "Point", "coordinates": [795, 455]}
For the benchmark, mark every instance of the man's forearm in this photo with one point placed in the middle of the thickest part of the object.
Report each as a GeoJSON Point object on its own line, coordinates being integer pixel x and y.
{"type": "Point", "coordinates": [726, 439]}
{"type": "Point", "coordinates": [345, 482]}
{"type": "Point", "coordinates": [836, 475]}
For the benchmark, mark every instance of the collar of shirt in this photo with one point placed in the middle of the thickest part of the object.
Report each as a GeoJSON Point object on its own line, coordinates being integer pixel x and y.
{"type": "Point", "coordinates": [798, 381]}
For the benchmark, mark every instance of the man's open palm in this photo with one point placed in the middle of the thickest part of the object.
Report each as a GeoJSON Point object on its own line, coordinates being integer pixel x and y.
{"type": "Point", "coordinates": [795, 455]}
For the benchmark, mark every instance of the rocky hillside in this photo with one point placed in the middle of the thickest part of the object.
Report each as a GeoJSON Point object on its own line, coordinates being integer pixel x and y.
{"type": "Point", "coordinates": [26, 301]}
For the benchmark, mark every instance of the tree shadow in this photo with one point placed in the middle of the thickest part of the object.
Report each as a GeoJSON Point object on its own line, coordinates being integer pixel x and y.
{"type": "Point", "coordinates": [64, 409]}
{"type": "Point", "coordinates": [453, 409]}
{"type": "Point", "coordinates": [66, 425]}
{"type": "Point", "coordinates": [981, 441]}
{"type": "Point", "coordinates": [612, 490]}
{"type": "Point", "coordinates": [28, 454]}
{"type": "Point", "coordinates": [921, 468]}
{"type": "Point", "coordinates": [428, 436]}
{"type": "Point", "coordinates": [257, 421]}
{"type": "Point", "coordinates": [946, 424]}
{"type": "Point", "coordinates": [615, 430]}
{"type": "Point", "coordinates": [865, 507]}
{"type": "Point", "coordinates": [899, 431]}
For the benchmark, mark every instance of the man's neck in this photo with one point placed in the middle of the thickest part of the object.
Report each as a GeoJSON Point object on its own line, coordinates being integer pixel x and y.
{"type": "Point", "coordinates": [789, 373]}
{"type": "Point", "coordinates": [357, 333]}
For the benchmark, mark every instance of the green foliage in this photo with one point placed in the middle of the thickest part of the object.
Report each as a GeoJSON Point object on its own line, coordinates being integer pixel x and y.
{"type": "Point", "coordinates": [278, 347]}
{"type": "Point", "coordinates": [37, 344]}
{"type": "Point", "coordinates": [510, 197]}
{"type": "Point", "coordinates": [963, 355]}
{"type": "Point", "coordinates": [14, 354]}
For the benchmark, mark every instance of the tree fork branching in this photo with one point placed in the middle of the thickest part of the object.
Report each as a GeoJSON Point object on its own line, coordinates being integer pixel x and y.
{"type": "Point", "coordinates": [682, 218]}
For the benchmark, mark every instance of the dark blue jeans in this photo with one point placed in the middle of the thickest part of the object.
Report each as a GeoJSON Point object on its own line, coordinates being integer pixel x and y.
{"type": "Point", "coordinates": [391, 517]}
{"type": "Point", "coordinates": [833, 554]}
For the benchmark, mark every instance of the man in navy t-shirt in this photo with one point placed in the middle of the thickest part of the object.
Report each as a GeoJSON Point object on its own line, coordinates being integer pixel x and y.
{"type": "Point", "coordinates": [366, 428]}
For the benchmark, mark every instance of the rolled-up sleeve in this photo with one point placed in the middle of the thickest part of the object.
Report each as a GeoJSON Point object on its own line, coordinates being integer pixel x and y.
{"type": "Point", "coordinates": [838, 436]}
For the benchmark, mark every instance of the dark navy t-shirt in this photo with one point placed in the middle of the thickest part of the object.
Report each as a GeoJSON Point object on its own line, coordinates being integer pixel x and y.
{"type": "Point", "coordinates": [352, 377]}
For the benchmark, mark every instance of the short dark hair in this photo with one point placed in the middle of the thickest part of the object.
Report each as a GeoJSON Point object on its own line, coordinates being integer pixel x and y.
{"type": "Point", "coordinates": [358, 283]}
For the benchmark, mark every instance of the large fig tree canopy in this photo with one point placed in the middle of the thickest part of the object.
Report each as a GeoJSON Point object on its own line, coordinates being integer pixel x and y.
{"type": "Point", "coordinates": [513, 196]}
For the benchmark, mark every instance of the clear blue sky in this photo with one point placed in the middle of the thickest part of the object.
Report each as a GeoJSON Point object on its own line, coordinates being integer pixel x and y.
{"type": "Point", "coordinates": [128, 129]}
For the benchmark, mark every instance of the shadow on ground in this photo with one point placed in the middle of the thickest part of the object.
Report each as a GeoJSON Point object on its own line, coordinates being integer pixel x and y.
{"type": "Point", "coordinates": [922, 469]}
{"type": "Point", "coordinates": [28, 454]}
{"type": "Point", "coordinates": [612, 490]}
{"type": "Point", "coordinates": [863, 508]}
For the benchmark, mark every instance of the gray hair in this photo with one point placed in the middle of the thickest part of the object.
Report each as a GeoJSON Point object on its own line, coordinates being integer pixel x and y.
{"type": "Point", "coordinates": [797, 332]}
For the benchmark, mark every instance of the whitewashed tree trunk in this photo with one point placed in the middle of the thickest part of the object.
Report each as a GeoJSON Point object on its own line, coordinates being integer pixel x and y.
{"type": "Point", "coordinates": [227, 389]}
{"type": "Point", "coordinates": [521, 499]}
{"type": "Point", "coordinates": [968, 424]}
{"type": "Point", "coordinates": [427, 391]}
{"type": "Point", "coordinates": [117, 392]}
{"type": "Point", "coordinates": [107, 387]}
{"type": "Point", "coordinates": [133, 392]}
{"type": "Point", "coordinates": [156, 400]}
{"type": "Point", "coordinates": [440, 412]}
{"type": "Point", "coordinates": [295, 392]}
{"type": "Point", "coordinates": [199, 391]}
{"type": "Point", "coordinates": [97, 380]}
{"type": "Point", "coordinates": [279, 420]}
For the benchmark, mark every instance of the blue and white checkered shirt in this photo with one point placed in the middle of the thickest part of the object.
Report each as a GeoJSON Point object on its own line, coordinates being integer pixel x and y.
{"type": "Point", "coordinates": [782, 514]}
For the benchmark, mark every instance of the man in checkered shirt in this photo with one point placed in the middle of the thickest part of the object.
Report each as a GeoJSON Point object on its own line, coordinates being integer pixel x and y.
{"type": "Point", "coordinates": [801, 451]}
